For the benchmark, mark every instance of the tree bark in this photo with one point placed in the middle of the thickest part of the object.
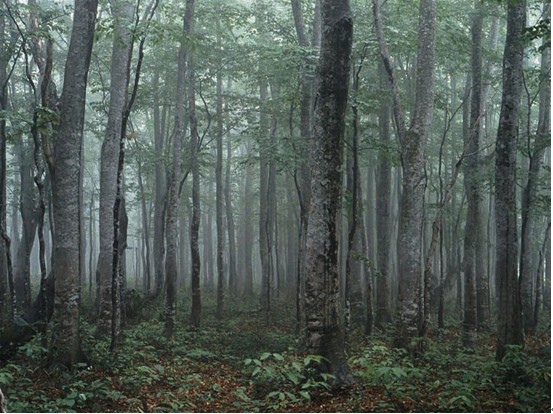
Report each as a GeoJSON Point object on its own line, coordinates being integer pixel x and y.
{"type": "Point", "coordinates": [219, 200]}
{"type": "Point", "coordinates": [530, 216]}
{"type": "Point", "coordinates": [122, 12]}
{"type": "Point", "coordinates": [65, 346]}
{"type": "Point", "coordinates": [474, 223]}
{"type": "Point", "coordinates": [383, 314]}
{"type": "Point", "coordinates": [324, 326]}
{"type": "Point", "coordinates": [160, 193]}
{"type": "Point", "coordinates": [509, 322]}
{"type": "Point", "coordinates": [413, 143]}
{"type": "Point", "coordinates": [195, 316]}
{"type": "Point", "coordinates": [172, 213]}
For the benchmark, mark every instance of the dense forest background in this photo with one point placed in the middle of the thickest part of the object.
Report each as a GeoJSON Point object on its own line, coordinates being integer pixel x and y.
{"type": "Point", "coordinates": [288, 205]}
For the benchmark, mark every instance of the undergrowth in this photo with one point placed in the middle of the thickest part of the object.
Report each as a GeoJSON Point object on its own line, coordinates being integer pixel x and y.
{"type": "Point", "coordinates": [242, 363]}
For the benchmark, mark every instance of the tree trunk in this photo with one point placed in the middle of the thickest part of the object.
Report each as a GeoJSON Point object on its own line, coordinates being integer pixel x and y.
{"type": "Point", "coordinates": [122, 12]}
{"type": "Point", "coordinates": [172, 213]}
{"type": "Point", "coordinates": [474, 223]}
{"type": "Point", "coordinates": [248, 232]}
{"type": "Point", "coordinates": [324, 326]}
{"type": "Point", "coordinates": [5, 302]}
{"type": "Point", "coordinates": [195, 168]}
{"type": "Point", "coordinates": [219, 200]}
{"type": "Point", "coordinates": [530, 217]}
{"type": "Point", "coordinates": [233, 274]}
{"type": "Point", "coordinates": [145, 231]}
{"type": "Point", "coordinates": [383, 314]}
{"type": "Point", "coordinates": [28, 210]}
{"type": "Point", "coordinates": [160, 193]}
{"type": "Point", "coordinates": [510, 324]}
{"type": "Point", "coordinates": [413, 143]}
{"type": "Point", "coordinates": [65, 346]}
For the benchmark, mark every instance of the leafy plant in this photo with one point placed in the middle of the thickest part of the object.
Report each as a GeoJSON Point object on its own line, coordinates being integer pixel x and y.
{"type": "Point", "coordinates": [282, 380]}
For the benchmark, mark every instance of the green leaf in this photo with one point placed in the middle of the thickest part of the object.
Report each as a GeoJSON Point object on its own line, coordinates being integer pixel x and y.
{"type": "Point", "coordinates": [278, 357]}
{"type": "Point", "coordinates": [305, 395]}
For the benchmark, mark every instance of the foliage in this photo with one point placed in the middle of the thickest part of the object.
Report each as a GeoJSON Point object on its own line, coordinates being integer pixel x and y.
{"type": "Point", "coordinates": [284, 380]}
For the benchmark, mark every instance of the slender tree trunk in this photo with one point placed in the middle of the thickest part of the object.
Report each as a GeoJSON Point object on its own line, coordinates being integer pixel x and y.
{"type": "Point", "coordinates": [531, 191]}
{"type": "Point", "coordinates": [145, 231]}
{"type": "Point", "coordinates": [219, 200]}
{"type": "Point", "coordinates": [248, 232]}
{"type": "Point", "coordinates": [510, 324]}
{"type": "Point", "coordinates": [474, 226]}
{"type": "Point", "coordinates": [120, 60]}
{"type": "Point", "coordinates": [324, 326]}
{"type": "Point", "coordinates": [28, 210]}
{"type": "Point", "coordinates": [195, 316]}
{"type": "Point", "coordinates": [65, 346]}
{"type": "Point", "coordinates": [233, 274]}
{"type": "Point", "coordinates": [160, 193]}
{"type": "Point", "coordinates": [384, 178]}
{"type": "Point", "coordinates": [171, 227]}
{"type": "Point", "coordinates": [5, 303]}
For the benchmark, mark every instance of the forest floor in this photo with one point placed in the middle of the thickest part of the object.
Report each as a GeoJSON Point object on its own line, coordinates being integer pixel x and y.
{"type": "Point", "coordinates": [244, 364]}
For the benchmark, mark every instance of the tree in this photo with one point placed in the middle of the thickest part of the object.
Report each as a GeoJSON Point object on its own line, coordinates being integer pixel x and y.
{"type": "Point", "coordinates": [473, 258]}
{"type": "Point", "coordinates": [195, 316]}
{"type": "Point", "coordinates": [413, 144]}
{"type": "Point", "coordinates": [324, 323]}
{"type": "Point", "coordinates": [65, 346]}
{"type": "Point", "coordinates": [219, 200]}
{"type": "Point", "coordinates": [122, 12]}
{"type": "Point", "coordinates": [174, 182]}
{"type": "Point", "coordinates": [509, 321]}
{"type": "Point", "coordinates": [384, 176]}
{"type": "Point", "coordinates": [530, 196]}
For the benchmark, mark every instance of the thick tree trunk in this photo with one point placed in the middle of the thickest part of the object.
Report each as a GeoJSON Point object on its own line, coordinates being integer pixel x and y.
{"type": "Point", "coordinates": [509, 323]}
{"type": "Point", "coordinates": [324, 325]}
{"type": "Point", "coordinates": [65, 346]}
{"type": "Point", "coordinates": [122, 12]}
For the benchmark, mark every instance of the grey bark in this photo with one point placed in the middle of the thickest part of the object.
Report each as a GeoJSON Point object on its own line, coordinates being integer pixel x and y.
{"type": "Point", "coordinates": [383, 313]}
{"type": "Point", "coordinates": [509, 322]}
{"type": "Point", "coordinates": [195, 316]}
{"type": "Point", "coordinates": [413, 143]}
{"type": "Point", "coordinates": [160, 192]}
{"type": "Point", "coordinates": [219, 197]}
{"type": "Point", "coordinates": [474, 221]}
{"type": "Point", "coordinates": [233, 274]}
{"type": "Point", "coordinates": [28, 211]}
{"type": "Point", "coordinates": [324, 326]}
{"type": "Point", "coordinates": [530, 217]}
{"type": "Point", "coordinates": [5, 301]}
{"type": "Point", "coordinates": [248, 232]}
{"type": "Point", "coordinates": [65, 346]}
{"type": "Point", "coordinates": [172, 213]}
{"type": "Point", "coordinates": [122, 12]}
